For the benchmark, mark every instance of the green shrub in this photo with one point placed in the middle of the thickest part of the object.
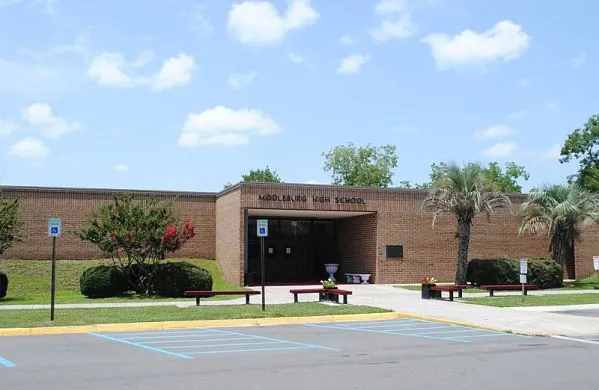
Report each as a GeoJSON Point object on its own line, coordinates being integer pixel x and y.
{"type": "Point", "coordinates": [544, 273]}
{"type": "Point", "coordinates": [102, 282]}
{"type": "Point", "coordinates": [3, 284]}
{"type": "Point", "coordinates": [174, 278]}
{"type": "Point", "coordinates": [493, 271]}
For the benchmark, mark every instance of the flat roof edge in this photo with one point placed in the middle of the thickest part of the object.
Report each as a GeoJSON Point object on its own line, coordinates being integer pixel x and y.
{"type": "Point", "coordinates": [91, 190]}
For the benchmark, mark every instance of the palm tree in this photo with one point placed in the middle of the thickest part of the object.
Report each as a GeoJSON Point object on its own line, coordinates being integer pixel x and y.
{"type": "Point", "coordinates": [560, 211]}
{"type": "Point", "coordinates": [464, 192]}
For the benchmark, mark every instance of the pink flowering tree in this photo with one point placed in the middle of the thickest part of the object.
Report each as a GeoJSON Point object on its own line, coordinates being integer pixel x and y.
{"type": "Point", "coordinates": [137, 235]}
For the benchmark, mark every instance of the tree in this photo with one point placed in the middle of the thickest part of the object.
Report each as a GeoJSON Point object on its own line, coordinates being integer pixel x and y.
{"type": "Point", "coordinates": [560, 211]}
{"type": "Point", "coordinates": [137, 235]}
{"type": "Point", "coordinates": [10, 224]}
{"type": "Point", "coordinates": [506, 182]}
{"type": "Point", "coordinates": [262, 175]}
{"type": "Point", "coordinates": [583, 145]}
{"type": "Point", "coordinates": [464, 192]}
{"type": "Point", "coordinates": [366, 166]}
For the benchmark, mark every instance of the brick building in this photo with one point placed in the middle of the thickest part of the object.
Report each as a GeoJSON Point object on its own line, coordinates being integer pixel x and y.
{"type": "Point", "coordinates": [363, 230]}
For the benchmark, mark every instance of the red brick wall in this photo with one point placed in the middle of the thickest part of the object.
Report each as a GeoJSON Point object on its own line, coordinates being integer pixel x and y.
{"type": "Point", "coordinates": [229, 237]}
{"type": "Point", "coordinates": [356, 245]}
{"type": "Point", "coordinates": [586, 248]}
{"type": "Point", "coordinates": [75, 206]}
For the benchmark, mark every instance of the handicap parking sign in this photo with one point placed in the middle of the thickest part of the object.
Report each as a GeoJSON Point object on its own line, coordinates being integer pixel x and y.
{"type": "Point", "coordinates": [54, 227]}
{"type": "Point", "coordinates": [262, 225]}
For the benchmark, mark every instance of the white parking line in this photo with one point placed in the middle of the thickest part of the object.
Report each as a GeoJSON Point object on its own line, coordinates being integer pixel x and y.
{"type": "Point", "coordinates": [578, 340]}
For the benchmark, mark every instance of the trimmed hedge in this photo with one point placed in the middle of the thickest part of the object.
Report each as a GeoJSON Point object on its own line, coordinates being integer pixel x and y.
{"type": "Point", "coordinates": [3, 285]}
{"type": "Point", "coordinates": [176, 277]}
{"type": "Point", "coordinates": [544, 273]}
{"type": "Point", "coordinates": [102, 281]}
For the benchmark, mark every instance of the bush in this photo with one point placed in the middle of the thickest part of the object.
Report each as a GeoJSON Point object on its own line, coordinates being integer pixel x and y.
{"type": "Point", "coordinates": [544, 273]}
{"type": "Point", "coordinates": [102, 282]}
{"type": "Point", "coordinates": [173, 278]}
{"type": "Point", "coordinates": [493, 271]}
{"type": "Point", "coordinates": [3, 284]}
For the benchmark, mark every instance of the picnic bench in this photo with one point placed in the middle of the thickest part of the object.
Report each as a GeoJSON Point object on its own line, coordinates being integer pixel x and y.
{"type": "Point", "coordinates": [492, 287]}
{"type": "Point", "coordinates": [324, 294]}
{"type": "Point", "coordinates": [450, 289]}
{"type": "Point", "coordinates": [211, 293]}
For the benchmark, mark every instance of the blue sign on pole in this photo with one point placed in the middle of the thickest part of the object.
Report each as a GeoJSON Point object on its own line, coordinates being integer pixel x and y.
{"type": "Point", "coordinates": [54, 227]}
{"type": "Point", "coordinates": [262, 225]}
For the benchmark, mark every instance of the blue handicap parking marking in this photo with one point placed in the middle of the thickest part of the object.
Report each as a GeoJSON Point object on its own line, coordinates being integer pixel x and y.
{"type": "Point", "coordinates": [188, 343]}
{"type": "Point", "coordinates": [417, 328]}
{"type": "Point", "coordinates": [6, 363]}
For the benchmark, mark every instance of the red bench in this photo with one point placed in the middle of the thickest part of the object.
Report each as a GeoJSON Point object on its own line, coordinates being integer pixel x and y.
{"type": "Point", "coordinates": [450, 289]}
{"type": "Point", "coordinates": [499, 287]}
{"type": "Point", "coordinates": [323, 293]}
{"type": "Point", "coordinates": [207, 294]}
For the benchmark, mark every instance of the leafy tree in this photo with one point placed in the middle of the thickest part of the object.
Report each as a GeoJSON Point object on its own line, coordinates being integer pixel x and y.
{"type": "Point", "coordinates": [583, 145]}
{"type": "Point", "coordinates": [262, 175]}
{"type": "Point", "coordinates": [506, 182]}
{"type": "Point", "coordinates": [464, 192]}
{"type": "Point", "coordinates": [10, 224]}
{"type": "Point", "coordinates": [259, 175]}
{"type": "Point", "coordinates": [560, 211]}
{"type": "Point", "coordinates": [137, 235]}
{"type": "Point", "coordinates": [366, 166]}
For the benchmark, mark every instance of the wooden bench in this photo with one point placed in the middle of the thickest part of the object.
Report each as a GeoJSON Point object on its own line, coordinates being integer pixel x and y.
{"type": "Point", "coordinates": [492, 287]}
{"type": "Point", "coordinates": [450, 289]}
{"type": "Point", "coordinates": [322, 293]}
{"type": "Point", "coordinates": [207, 294]}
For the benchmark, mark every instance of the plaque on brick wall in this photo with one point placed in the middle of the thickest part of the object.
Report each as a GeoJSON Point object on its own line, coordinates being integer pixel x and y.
{"type": "Point", "coordinates": [395, 251]}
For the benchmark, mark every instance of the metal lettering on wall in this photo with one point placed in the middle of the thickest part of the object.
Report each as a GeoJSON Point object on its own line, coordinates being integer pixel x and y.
{"type": "Point", "coordinates": [314, 199]}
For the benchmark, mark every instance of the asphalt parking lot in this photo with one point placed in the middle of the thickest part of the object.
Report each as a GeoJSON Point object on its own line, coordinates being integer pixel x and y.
{"type": "Point", "coordinates": [390, 354]}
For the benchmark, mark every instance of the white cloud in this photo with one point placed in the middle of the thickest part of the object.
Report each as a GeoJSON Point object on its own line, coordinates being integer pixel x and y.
{"type": "Point", "coordinates": [396, 20]}
{"type": "Point", "coordinates": [42, 115]}
{"type": "Point", "coordinates": [516, 115]}
{"type": "Point", "coordinates": [121, 167]}
{"type": "Point", "coordinates": [501, 149]}
{"type": "Point", "coordinates": [175, 72]}
{"type": "Point", "coordinates": [353, 63]}
{"type": "Point", "coordinates": [240, 80]}
{"type": "Point", "coordinates": [346, 40]}
{"type": "Point", "coordinates": [112, 69]}
{"type": "Point", "coordinates": [579, 60]}
{"type": "Point", "coordinates": [260, 23]}
{"type": "Point", "coordinates": [497, 131]}
{"type": "Point", "coordinates": [505, 41]}
{"type": "Point", "coordinates": [30, 148]}
{"type": "Point", "coordinates": [295, 58]}
{"type": "Point", "coordinates": [6, 127]}
{"type": "Point", "coordinates": [225, 126]}
{"type": "Point", "coordinates": [551, 106]}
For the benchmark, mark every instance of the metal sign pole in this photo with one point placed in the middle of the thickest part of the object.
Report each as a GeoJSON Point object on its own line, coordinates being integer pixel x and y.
{"type": "Point", "coordinates": [262, 272]}
{"type": "Point", "coordinates": [53, 282]}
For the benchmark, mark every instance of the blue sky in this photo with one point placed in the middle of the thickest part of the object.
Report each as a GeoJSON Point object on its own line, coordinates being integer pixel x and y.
{"type": "Point", "coordinates": [190, 95]}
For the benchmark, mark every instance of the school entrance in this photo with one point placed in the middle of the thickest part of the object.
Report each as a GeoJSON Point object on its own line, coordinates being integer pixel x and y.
{"type": "Point", "coordinates": [297, 247]}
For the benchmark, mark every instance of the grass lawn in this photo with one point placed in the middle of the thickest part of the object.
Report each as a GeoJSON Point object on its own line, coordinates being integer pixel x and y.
{"type": "Point", "coordinates": [37, 318]}
{"type": "Point", "coordinates": [589, 283]}
{"type": "Point", "coordinates": [536, 300]}
{"type": "Point", "coordinates": [417, 288]}
{"type": "Point", "coordinates": [29, 281]}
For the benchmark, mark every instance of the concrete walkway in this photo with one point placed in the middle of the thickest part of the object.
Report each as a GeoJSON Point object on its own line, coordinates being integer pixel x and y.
{"type": "Point", "coordinates": [529, 320]}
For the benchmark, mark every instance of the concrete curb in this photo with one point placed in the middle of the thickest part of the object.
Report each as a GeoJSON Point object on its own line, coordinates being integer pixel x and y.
{"type": "Point", "coordinates": [147, 326]}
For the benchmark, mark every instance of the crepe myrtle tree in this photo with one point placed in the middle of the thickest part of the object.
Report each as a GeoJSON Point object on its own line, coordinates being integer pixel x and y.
{"type": "Point", "coordinates": [137, 235]}
{"type": "Point", "coordinates": [464, 192]}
